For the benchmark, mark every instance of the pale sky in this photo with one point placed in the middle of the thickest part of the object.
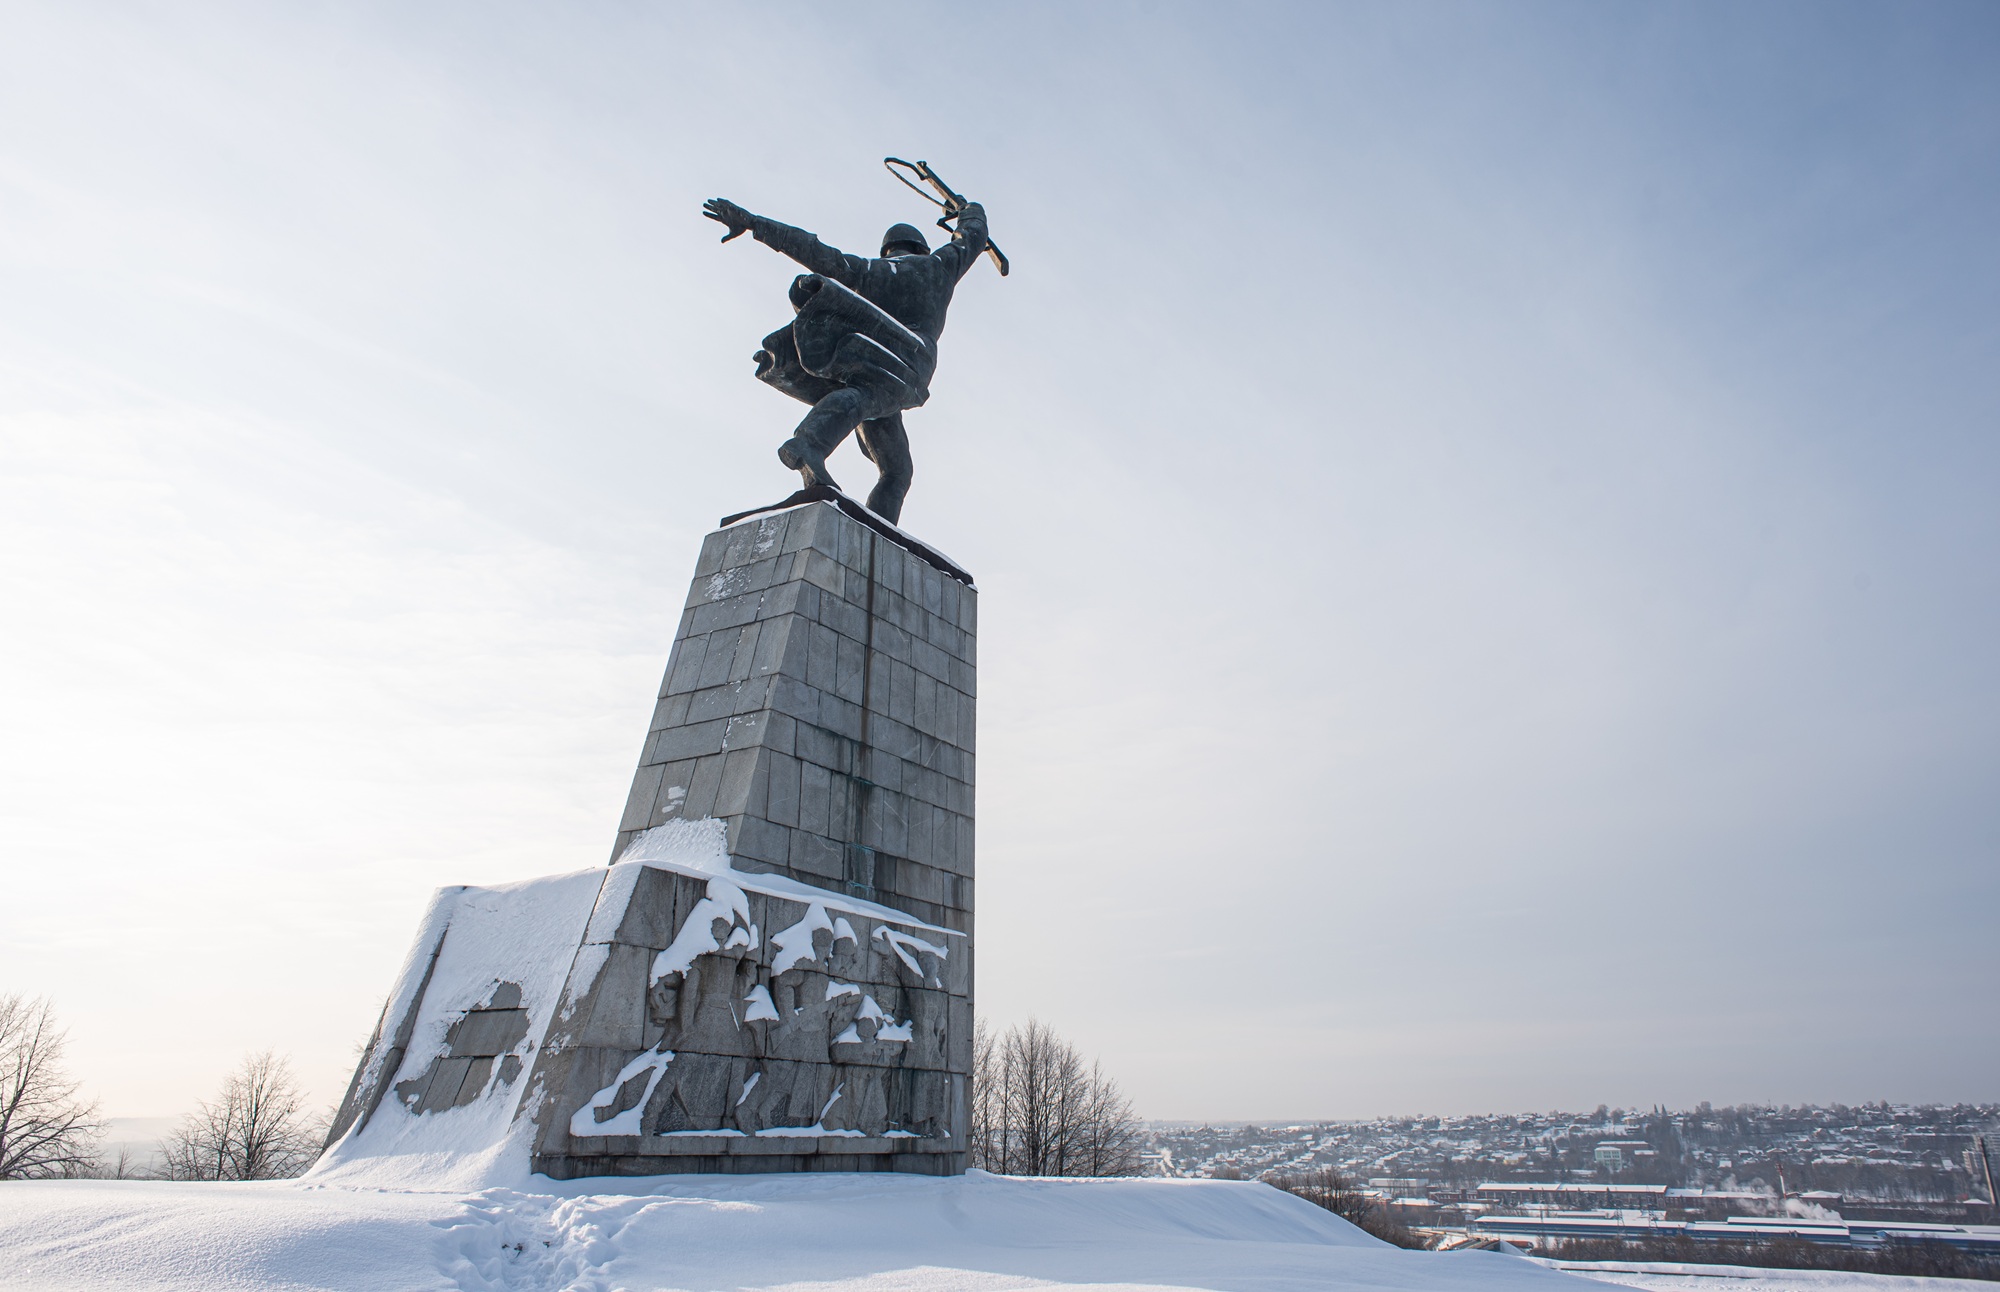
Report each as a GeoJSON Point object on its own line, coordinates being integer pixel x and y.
{"type": "Point", "coordinates": [1485, 514]}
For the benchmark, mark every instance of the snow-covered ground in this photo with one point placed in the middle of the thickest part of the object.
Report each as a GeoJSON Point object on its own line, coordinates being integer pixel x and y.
{"type": "Point", "coordinates": [796, 1232]}
{"type": "Point", "coordinates": [1669, 1277]}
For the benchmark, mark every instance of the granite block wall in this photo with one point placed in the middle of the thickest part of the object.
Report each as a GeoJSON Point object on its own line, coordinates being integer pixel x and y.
{"type": "Point", "coordinates": [819, 701]}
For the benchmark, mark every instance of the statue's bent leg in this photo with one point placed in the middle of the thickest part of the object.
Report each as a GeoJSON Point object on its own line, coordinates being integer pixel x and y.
{"type": "Point", "coordinates": [888, 447]}
{"type": "Point", "coordinates": [831, 420]}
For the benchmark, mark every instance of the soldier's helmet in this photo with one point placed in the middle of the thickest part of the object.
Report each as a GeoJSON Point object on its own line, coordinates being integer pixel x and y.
{"type": "Point", "coordinates": [907, 237]}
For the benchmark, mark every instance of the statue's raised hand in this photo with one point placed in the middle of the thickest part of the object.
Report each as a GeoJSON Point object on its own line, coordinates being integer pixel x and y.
{"type": "Point", "coordinates": [723, 211]}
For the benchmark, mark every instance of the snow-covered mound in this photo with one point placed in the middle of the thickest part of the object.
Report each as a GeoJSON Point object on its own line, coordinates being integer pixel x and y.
{"type": "Point", "coordinates": [798, 1232]}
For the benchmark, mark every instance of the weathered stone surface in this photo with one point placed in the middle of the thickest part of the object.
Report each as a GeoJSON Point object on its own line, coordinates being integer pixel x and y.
{"type": "Point", "coordinates": [486, 1033]}
{"type": "Point", "coordinates": [838, 746]}
{"type": "Point", "coordinates": [771, 1021]}
{"type": "Point", "coordinates": [796, 992]}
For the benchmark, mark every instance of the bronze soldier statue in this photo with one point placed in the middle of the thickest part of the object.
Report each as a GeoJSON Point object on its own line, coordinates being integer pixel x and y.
{"type": "Point", "coordinates": [864, 345]}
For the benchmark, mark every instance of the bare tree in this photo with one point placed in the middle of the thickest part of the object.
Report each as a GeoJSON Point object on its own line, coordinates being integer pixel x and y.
{"type": "Point", "coordinates": [1326, 1187]}
{"type": "Point", "coordinates": [45, 1130]}
{"type": "Point", "coordinates": [123, 1167]}
{"type": "Point", "coordinates": [984, 1145]}
{"type": "Point", "coordinates": [1039, 1109]}
{"type": "Point", "coordinates": [258, 1128]}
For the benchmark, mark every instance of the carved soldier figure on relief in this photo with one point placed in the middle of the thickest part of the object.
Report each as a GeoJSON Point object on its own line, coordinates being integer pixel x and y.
{"type": "Point", "coordinates": [863, 347]}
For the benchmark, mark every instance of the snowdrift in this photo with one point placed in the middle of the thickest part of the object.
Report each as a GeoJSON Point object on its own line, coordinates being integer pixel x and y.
{"type": "Point", "coordinates": [821, 1231]}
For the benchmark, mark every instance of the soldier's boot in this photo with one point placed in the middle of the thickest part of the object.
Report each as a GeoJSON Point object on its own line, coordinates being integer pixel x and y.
{"type": "Point", "coordinates": [831, 420]}
{"type": "Point", "coordinates": [808, 461]}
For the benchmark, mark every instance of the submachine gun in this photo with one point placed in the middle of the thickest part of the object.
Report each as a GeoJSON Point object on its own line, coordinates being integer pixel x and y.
{"type": "Point", "coordinates": [918, 174]}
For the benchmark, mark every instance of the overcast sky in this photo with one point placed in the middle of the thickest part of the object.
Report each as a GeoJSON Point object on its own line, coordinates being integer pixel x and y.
{"type": "Point", "coordinates": [1485, 515]}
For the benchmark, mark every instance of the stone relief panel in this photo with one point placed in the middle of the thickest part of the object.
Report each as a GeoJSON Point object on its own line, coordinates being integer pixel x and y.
{"type": "Point", "coordinates": [766, 1015]}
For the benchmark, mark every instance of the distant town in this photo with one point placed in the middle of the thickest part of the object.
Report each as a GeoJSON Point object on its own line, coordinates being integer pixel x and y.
{"type": "Point", "coordinates": [1847, 1176]}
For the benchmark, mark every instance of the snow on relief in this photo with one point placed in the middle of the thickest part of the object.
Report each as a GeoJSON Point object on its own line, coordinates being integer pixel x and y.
{"type": "Point", "coordinates": [834, 1025]}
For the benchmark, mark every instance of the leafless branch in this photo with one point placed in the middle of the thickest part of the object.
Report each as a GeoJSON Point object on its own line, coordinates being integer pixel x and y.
{"type": "Point", "coordinates": [1038, 1109]}
{"type": "Point", "coordinates": [257, 1128]}
{"type": "Point", "coordinates": [45, 1129]}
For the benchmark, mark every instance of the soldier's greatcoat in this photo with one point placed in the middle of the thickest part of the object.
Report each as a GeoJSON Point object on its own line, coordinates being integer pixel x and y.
{"type": "Point", "coordinates": [868, 324]}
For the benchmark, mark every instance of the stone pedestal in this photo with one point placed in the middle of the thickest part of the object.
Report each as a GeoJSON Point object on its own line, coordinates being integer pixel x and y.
{"type": "Point", "coordinates": [819, 702]}
{"type": "Point", "coordinates": [776, 972]}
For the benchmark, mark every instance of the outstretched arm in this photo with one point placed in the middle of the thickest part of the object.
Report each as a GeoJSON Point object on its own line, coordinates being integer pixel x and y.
{"type": "Point", "coordinates": [783, 238]}
{"type": "Point", "coordinates": [967, 240]}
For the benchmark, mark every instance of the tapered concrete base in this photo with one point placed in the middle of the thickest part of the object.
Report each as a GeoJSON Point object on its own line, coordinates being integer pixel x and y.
{"type": "Point", "coordinates": [777, 973]}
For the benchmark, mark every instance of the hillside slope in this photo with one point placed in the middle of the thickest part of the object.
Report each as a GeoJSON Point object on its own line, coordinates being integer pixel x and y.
{"type": "Point", "coordinates": [971, 1233]}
